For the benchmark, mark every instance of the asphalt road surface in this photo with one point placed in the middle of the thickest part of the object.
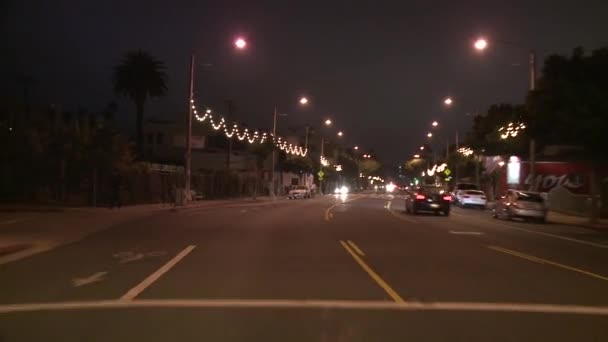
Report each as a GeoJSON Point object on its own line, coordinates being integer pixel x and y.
{"type": "Point", "coordinates": [355, 268]}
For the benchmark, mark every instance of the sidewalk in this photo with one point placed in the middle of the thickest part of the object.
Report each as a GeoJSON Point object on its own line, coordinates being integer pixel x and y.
{"type": "Point", "coordinates": [26, 230]}
{"type": "Point", "coordinates": [581, 221]}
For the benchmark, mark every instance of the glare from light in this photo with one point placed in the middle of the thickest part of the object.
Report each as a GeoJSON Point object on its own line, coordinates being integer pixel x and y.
{"type": "Point", "coordinates": [416, 156]}
{"type": "Point", "coordinates": [303, 100]}
{"type": "Point", "coordinates": [343, 190]}
{"type": "Point", "coordinates": [240, 43]}
{"type": "Point", "coordinates": [340, 134]}
{"type": "Point", "coordinates": [448, 101]}
{"type": "Point", "coordinates": [421, 148]}
{"type": "Point", "coordinates": [429, 134]}
{"type": "Point", "coordinates": [501, 163]}
{"type": "Point", "coordinates": [435, 123]}
{"type": "Point", "coordinates": [356, 148]}
{"type": "Point", "coordinates": [328, 122]}
{"type": "Point", "coordinates": [481, 44]}
{"type": "Point", "coordinates": [390, 187]}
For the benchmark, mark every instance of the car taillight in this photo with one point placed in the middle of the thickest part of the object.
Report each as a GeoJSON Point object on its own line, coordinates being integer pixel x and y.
{"type": "Point", "coordinates": [420, 197]}
{"type": "Point", "coordinates": [447, 198]}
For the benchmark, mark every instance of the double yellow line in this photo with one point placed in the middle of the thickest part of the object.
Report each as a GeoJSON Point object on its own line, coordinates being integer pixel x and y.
{"type": "Point", "coordinates": [329, 215]}
{"type": "Point", "coordinates": [357, 254]}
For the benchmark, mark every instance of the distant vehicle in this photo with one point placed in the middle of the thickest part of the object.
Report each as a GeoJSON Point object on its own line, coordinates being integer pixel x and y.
{"type": "Point", "coordinates": [472, 198]}
{"type": "Point", "coordinates": [299, 191]}
{"type": "Point", "coordinates": [428, 198]}
{"type": "Point", "coordinates": [521, 204]}
{"type": "Point", "coordinates": [460, 187]}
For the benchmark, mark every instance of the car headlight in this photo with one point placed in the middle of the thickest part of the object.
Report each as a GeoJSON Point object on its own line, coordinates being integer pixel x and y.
{"type": "Point", "coordinates": [344, 190]}
{"type": "Point", "coordinates": [337, 191]}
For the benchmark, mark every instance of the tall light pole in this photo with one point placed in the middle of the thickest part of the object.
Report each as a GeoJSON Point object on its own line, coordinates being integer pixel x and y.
{"type": "Point", "coordinates": [240, 43]}
{"type": "Point", "coordinates": [327, 122]}
{"type": "Point", "coordinates": [481, 44]}
{"type": "Point", "coordinates": [303, 101]}
{"type": "Point", "coordinates": [188, 193]}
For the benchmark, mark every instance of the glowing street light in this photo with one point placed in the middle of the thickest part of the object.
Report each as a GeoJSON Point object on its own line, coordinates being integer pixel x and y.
{"type": "Point", "coordinates": [416, 156]}
{"type": "Point", "coordinates": [429, 134]}
{"type": "Point", "coordinates": [240, 43]}
{"type": "Point", "coordinates": [303, 100]}
{"type": "Point", "coordinates": [340, 134]}
{"type": "Point", "coordinates": [328, 122]}
{"type": "Point", "coordinates": [421, 148]}
{"type": "Point", "coordinates": [435, 123]}
{"type": "Point", "coordinates": [481, 44]}
{"type": "Point", "coordinates": [356, 148]}
{"type": "Point", "coordinates": [448, 101]}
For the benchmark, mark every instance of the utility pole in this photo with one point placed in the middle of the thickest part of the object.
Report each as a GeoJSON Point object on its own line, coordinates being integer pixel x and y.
{"type": "Point", "coordinates": [230, 109]}
{"type": "Point", "coordinates": [532, 141]}
{"type": "Point", "coordinates": [189, 132]}
{"type": "Point", "coordinates": [306, 138]}
{"type": "Point", "coordinates": [274, 153]}
{"type": "Point", "coordinates": [321, 165]}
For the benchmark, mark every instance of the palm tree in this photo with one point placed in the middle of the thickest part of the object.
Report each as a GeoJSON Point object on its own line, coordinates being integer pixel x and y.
{"type": "Point", "coordinates": [138, 76]}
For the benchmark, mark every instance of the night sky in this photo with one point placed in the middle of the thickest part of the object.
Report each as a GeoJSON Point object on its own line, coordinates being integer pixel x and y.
{"type": "Point", "coordinates": [380, 69]}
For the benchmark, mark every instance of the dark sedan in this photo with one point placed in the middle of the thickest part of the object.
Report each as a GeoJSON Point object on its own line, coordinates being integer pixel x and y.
{"type": "Point", "coordinates": [428, 198]}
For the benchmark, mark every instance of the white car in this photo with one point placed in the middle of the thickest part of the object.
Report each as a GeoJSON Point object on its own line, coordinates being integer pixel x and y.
{"type": "Point", "coordinates": [299, 191]}
{"type": "Point", "coordinates": [472, 198]}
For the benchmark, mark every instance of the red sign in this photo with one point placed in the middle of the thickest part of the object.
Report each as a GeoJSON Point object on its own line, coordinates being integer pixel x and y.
{"type": "Point", "coordinates": [575, 177]}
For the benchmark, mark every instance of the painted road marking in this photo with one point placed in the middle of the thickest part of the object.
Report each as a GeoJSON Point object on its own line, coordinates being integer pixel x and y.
{"type": "Point", "coordinates": [548, 262]}
{"type": "Point", "coordinates": [508, 226]}
{"type": "Point", "coordinates": [389, 290]}
{"type": "Point", "coordinates": [9, 222]}
{"type": "Point", "coordinates": [126, 257]}
{"type": "Point", "coordinates": [99, 276]}
{"type": "Point", "coordinates": [465, 232]}
{"type": "Point", "coordinates": [355, 247]}
{"type": "Point", "coordinates": [401, 217]}
{"type": "Point", "coordinates": [598, 245]}
{"type": "Point", "coordinates": [310, 304]}
{"type": "Point", "coordinates": [329, 215]}
{"type": "Point", "coordinates": [139, 288]}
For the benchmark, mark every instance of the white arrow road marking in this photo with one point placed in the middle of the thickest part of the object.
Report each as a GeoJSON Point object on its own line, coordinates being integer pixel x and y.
{"type": "Point", "coordinates": [77, 282]}
{"type": "Point", "coordinates": [126, 257]}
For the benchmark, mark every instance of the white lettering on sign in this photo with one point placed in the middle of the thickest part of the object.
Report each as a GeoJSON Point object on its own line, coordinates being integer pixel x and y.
{"type": "Point", "coordinates": [547, 182]}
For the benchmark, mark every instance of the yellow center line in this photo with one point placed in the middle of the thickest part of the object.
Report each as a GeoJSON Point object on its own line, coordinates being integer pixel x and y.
{"type": "Point", "coordinates": [547, 262]}
{"type": "Point", "coordinates": [355, 247]}
{"type": "Point", "coordinates": [401, 217]}
{"type": "Point", "coordinates": [389, 290]}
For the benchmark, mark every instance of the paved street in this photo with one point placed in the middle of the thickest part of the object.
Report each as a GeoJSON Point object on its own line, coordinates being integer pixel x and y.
{"type": "Point", "coordinates": [355, 268]}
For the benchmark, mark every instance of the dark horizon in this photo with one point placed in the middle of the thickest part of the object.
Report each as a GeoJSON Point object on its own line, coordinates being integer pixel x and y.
{"type": "Point", "coordinates": [375, 69]}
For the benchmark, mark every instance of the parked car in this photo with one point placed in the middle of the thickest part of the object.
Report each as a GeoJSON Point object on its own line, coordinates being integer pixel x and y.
{"type": "Point", "coordinates": [521, 204]}
{"type": "Point", "coordinates": [299, 191]}
{"type": "Point", "coordinates": [459, 188]}
{"type": "Point", "coordinates": [472, 198]}
{"type": "Point", "coordinates": [428, 198]}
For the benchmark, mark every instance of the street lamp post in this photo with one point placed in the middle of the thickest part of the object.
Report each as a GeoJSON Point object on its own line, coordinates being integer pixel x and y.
{"type": "Point", "coordinates": [481, 44]}
{"type": "Point", "coordinates": [188, 194]}
{"type": "Point", "coordinates": [240, 43]}
{"type": "Point", "coordinates": [274, 155]}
